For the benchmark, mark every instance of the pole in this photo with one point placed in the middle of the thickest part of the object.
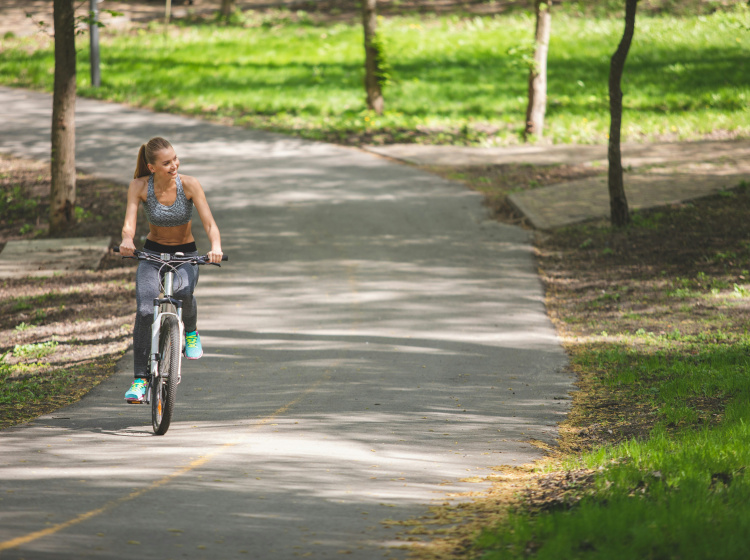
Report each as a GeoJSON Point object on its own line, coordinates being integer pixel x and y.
{"type": "Point", "coordinates": [96, 77]}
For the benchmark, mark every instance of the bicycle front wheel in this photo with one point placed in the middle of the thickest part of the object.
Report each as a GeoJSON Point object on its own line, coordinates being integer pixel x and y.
{"type": "Point", "coordinates": [164, 386]}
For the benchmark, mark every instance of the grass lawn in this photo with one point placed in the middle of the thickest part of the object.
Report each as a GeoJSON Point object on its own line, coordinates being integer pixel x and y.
{"type": "Point", "coordinates": [455, 79]}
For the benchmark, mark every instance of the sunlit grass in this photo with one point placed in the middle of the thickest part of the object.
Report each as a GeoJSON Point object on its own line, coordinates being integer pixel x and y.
{"type": "Point", "coordinates": [453, 79]}
{"type": "Point", "coordinates": [683, 497]}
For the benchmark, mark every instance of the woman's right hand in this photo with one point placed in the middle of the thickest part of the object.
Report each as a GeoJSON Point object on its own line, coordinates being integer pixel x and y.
{"type": "Point", "coordinates": [127, 247]}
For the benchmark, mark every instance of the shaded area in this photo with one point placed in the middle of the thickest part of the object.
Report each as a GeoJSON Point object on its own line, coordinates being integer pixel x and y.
{"type": "Point", "coordinates": [364, 303]}
{"type": "Point", "coordinates": [364, 445]}
{"type": "Point", "coordinates": [670, 292]}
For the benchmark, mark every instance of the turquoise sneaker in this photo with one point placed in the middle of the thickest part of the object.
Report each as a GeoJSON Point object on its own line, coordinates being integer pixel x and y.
{"type": "Point", "coordinates": [193, 348]}
{"type": "Point", "coordinates": [137, 392]}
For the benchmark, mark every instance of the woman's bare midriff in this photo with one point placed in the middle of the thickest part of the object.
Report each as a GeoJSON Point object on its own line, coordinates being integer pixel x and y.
{"type": "Point", "coordinates": [175, 235]}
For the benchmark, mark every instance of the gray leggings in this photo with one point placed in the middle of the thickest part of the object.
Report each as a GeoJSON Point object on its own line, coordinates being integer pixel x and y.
{"type": "Point", "coordinates": [147, 287]}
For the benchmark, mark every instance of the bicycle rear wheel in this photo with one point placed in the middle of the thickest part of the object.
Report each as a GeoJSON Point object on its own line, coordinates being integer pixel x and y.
{"type": "Point", "coordinates": [164, 386]}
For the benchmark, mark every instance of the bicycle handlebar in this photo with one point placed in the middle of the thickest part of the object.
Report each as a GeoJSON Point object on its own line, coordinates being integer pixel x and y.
{"type": "Point", "coordinates": [198, 259]}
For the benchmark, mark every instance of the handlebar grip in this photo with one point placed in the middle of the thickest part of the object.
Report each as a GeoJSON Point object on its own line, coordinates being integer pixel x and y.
{"type": "Point", "coordinates": [225, 257]}
{"type": "Point", "coordinates": [117, 250]}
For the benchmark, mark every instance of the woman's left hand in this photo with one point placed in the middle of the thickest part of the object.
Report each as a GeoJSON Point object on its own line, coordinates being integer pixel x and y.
{"type": "Point", "coordinates": [214, 255]}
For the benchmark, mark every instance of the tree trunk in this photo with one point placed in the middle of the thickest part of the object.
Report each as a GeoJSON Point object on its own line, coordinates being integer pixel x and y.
{"type": "Point", "coordinates": [227, 7]}
{"type": "Point", "coordinates": [96, 76]}
{"type": "Point", "coordinates": [63, 167]}
{"type": "Point", "coordinates": [538, 74]}
{"type": "Point", "coordinates": [618, 203]}
{"type": "Point", "coordinates": [373, 55]}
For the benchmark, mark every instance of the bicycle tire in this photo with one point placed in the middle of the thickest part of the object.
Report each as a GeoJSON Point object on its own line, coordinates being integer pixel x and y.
{"type": "Point", "coordinates": [164, 387]}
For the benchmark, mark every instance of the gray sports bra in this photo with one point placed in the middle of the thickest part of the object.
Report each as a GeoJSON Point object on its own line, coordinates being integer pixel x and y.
{"type": "Point", "coordinates": [180, 213]}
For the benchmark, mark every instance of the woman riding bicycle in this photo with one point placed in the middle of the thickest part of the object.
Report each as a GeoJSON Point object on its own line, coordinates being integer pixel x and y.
{"type": "Point", "coordinates": [168, 199]}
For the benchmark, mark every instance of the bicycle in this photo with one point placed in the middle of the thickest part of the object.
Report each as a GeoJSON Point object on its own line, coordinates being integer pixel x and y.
{"type": "Point", "coordinates": [167, 335]}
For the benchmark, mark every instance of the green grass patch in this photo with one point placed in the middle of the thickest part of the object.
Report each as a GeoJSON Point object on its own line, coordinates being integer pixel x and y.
{"type": "Point", "coordinates": [36, 350]}
{"type": "Point", "coordinates": [27, 390]}
{"type": "Point", "coordinates": [452, 78]}
{"type": "Point", "coordinates": [671, 497]}
{"type": "Point", "coordinates": [14, 204]}
{"type": "Point", "coordinates": [704, 368]}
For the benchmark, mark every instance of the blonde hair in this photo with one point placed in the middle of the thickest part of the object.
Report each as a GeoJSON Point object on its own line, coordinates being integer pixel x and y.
{"type": "Point", "coordinates": [147, 154]}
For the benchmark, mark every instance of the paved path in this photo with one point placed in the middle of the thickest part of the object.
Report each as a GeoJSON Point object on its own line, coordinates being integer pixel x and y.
{"type": "Point", "coordinates": [373, 340]}
{"type": "Point", "coordinates": [658, 174]}
{"type": "Point", "coordinates": [586, 199]}
{"type": "Point", "coordinates": [46, 257]}
{"type": "Point", "coordinates": [633, 155]}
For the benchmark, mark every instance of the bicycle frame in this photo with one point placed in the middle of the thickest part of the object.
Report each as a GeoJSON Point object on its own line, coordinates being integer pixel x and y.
{"type": "Point", "coordinates": [163, 307]}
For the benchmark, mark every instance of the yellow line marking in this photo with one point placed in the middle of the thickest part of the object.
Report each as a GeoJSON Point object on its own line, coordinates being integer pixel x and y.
{"type": "Point", "coordinates": [18, 541]}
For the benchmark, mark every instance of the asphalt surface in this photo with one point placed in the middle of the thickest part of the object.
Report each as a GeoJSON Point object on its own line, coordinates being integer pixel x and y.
{"type": "Point", "coordinates": [658, 174]}
{"type": "Point", "coordinates": [374, 340]}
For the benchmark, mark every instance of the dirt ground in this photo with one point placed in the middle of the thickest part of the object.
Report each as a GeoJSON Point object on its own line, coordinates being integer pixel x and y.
{"type": "Point", "coordinates": [13, 13]}
{"type": "Point", "coordinates": [14, 19]}
{"type": "Point", "coordinates": [59, 336]}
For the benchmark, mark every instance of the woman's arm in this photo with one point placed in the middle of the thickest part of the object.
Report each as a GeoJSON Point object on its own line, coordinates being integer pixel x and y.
{"type": "Point", "coordinates": [194, 191]}
{"type": "Point", "coordinates": [131, 216]}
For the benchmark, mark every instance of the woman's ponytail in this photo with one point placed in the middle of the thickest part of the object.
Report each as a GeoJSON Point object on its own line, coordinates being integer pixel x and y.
{"type": "Point", "coordinates": [141, 166]}
{"type": "Point", "coordinates": [147, 155]}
